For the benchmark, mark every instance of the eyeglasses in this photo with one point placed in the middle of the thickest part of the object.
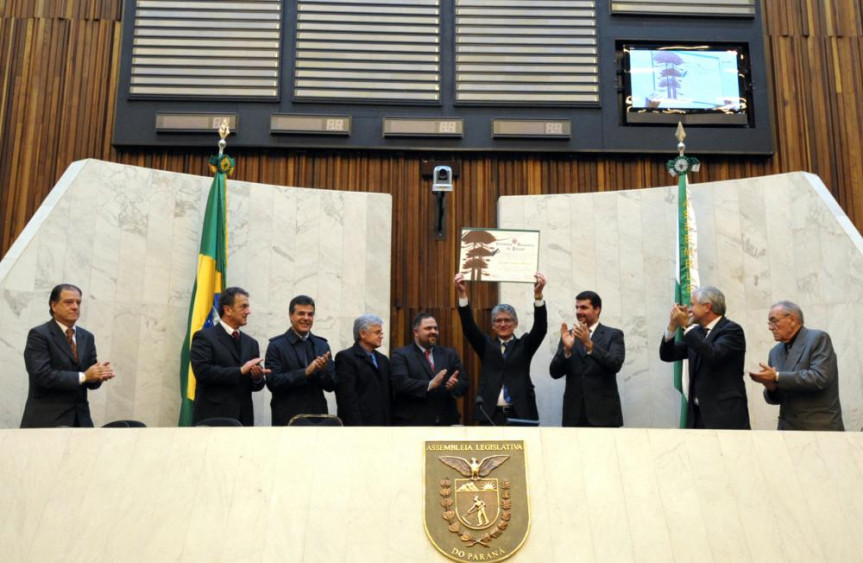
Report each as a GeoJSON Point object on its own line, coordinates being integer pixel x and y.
{"type": "Point", "coordinates": [773, 321]}
{"type": "Point", "coordinates": [502, 321]}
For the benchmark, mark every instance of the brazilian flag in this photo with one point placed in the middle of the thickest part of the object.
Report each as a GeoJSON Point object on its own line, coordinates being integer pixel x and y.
{"type": "Point", "coordinates": [210, 279]}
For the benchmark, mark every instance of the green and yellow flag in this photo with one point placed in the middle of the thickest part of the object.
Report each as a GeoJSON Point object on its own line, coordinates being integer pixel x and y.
{"type": "Point", "coordinates": [210, 279]}
{"type": "Point", "coordinates": [687, 257]}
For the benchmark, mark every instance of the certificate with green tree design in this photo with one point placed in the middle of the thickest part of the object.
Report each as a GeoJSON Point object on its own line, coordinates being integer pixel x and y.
{"type": "Point", "coordinates": [496, 255]}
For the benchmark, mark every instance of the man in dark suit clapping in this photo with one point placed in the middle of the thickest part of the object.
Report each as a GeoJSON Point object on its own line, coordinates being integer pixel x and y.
{"type": "Point", "coordinates": [226, 363]}
{"type": "Point", "coordinates": [61, 364]}
{"type": "Point", "coordinates": [715, 347]}
{"type": "Point", "coordinates": [589, 355]}
{"type": "Point", "coordinates": [363, 391]}
{"type": "Point", "coordinates": [301, 366]}
{"type": "Point", "coordinates": [426, 379]}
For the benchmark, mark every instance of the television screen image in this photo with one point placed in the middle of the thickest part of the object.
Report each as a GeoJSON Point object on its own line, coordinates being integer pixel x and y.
{"type": "Point", "coordinates": [666, 79]}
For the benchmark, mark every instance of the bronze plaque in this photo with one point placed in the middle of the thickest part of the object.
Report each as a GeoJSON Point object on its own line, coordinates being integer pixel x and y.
{"type": "Point", "coordinates": [476, 501]}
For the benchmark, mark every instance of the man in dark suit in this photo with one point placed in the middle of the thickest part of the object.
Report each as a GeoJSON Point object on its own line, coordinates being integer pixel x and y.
{"type": "Point", "coordinates": [363, 392]}
{"type": "Point", "coordinates": [226, 363]}
{"type": "Point", "coordinates": [589, 355]}
{"type": "Point", "coordinates": [715, 348]}
{"type": "Point", "coordinates": [426, 379]}
{"type": "Point", "coordinates": [61, 364]}
{"type": "Point", "coordinates": [300, 366]}
{"type": "Point", "coordinates": [505, 388]}
{"type": "Point", "coordinates": [801, 374]}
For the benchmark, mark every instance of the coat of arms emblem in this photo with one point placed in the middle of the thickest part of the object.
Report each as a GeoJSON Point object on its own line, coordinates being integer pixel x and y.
{"type": "Point", "coordinates": [476, 502]}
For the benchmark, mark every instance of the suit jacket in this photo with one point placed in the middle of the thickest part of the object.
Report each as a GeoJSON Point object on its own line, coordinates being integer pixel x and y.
{"type": "Point", "coordinates": [222, 391]}
{"type": "Point", "coordinates": [808, 388]}
{"type": "Point", "coordinates": [512, 371]}
{"type": "Point", "coordinates": [410, 373]}
{"type": "Point", "coordinates": [56, 398]}
{"type": "Point", "coordinates": [293, 391]}
{"type": "Point", "coordinates": [363, 392]}
{"type": "Point", "coordinates": [715, 374]}
{"type": "Point", "coordinates": [591, 379]}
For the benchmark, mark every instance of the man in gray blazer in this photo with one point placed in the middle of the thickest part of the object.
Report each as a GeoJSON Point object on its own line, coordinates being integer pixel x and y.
{"type": "Point", "coordinates": [801, 374]}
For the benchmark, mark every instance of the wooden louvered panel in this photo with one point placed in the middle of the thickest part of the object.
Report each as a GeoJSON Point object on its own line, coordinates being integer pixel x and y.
{"type": "Point", "coordinates": [196, 48]}
{"type": "Point", "coordinates": [529, 52]}
{"type": "Point", "coordinates": [368, 51]}
{"type": "Point", "coordinates": [706, 8]}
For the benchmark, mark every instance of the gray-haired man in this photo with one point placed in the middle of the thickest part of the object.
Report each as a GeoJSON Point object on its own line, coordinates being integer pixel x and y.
{"type": "Point", "coordinates": [716, 348]}
{"type": "Point", "coordinates": [801, 375]}
{"type": "Point", "coordinates": [363, 393]}
{"type": "Point", "coordinates": [505, 388]}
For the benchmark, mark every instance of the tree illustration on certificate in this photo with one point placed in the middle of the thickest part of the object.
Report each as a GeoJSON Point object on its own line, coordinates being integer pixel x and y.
{"type": "Point", "coordinates": [499, 255]}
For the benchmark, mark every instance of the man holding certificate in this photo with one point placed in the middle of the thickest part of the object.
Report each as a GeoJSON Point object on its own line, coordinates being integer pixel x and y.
{"type": "Point", "coordinates": [505, 388]}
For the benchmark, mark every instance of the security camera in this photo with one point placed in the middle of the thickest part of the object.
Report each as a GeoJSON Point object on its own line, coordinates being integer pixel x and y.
{"type": "Point", "coordinates": [442, 179]}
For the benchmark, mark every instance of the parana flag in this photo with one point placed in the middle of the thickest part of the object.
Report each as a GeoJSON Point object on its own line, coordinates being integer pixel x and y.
{"type": "Point", "coordinates": [687, 259]}
{"type": "Point", "coordinates": [210, 278]}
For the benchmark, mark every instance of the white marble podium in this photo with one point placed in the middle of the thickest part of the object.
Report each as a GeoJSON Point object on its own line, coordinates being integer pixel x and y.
{"type": "Point", "coordinates": [344, 494]}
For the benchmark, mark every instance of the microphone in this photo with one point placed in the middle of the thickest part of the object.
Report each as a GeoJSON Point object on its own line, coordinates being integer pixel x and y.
{"type": "Point", "coordinates": [479, 403]}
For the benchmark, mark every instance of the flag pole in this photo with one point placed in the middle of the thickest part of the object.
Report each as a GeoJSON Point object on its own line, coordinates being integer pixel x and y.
{"type": "Point", "coordinates": [686, 257]}
{"type": "Point", "coordinates": [211, 271]}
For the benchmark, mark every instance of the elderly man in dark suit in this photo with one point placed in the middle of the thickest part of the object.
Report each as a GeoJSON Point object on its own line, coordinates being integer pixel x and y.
{"type": "Point", "coordinates": [363, 392]}
{"type": "Point", "coordinates": [61, 363]}
{"type": "Point", "coordinates": [589, 355]}
{"type": "Point", "coordinates": [715, 347]}
{"type": "Point", "coordinates": [801, 375]}
{"type": "Point", "coordinates": [505, 388]}
{"type": "Point", "coordinates": [226, 363]}
{"type": "Point", "coordinates": [426, 379]}
{"type": "Point", "coordinates": [300, 366]}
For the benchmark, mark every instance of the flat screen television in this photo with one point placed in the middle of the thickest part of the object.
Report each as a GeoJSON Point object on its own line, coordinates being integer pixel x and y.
{"type": "Point", "coordinates": [695, 84]}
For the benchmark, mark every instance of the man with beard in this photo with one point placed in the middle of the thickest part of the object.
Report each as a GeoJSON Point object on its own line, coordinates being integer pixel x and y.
{"type": "Point", "coordinates": [426, 379]}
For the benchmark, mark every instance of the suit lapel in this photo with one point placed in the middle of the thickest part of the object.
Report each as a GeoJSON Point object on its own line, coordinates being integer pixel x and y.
{"type": "Point", "coordinates": [796, 351]}
{"type": "Point", "coordinates": [61, 341]}
{"type": "Point", "coordinates": [228, 341]}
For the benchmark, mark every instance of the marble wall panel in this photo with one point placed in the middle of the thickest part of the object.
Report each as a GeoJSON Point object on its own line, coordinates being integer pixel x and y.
{"type": "Point", "coordinates": [129, 237]}
{"type": "Point", "coordinates": [760, 240]}
{"type": "Point", "coordinates": [346, 494]}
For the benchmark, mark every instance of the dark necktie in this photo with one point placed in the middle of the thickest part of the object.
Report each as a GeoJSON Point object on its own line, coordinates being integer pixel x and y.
{"type": "Point", "coordinates": [374, 360]}
{"type": "Point", "coordinates": [70, 336]}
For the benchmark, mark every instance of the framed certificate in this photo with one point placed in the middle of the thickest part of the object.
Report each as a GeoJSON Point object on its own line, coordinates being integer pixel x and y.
{"type": "Point", "coordinates": [496, 255]}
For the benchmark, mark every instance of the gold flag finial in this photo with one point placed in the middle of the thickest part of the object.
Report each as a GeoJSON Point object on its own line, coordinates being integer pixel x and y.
{"type": "Point", "coordinates": [224, 131]}
{"type": "Point", "coordinates": [680, 134]}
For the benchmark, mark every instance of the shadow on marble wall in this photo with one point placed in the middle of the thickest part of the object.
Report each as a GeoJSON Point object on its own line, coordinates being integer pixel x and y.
{"type": "Point", "coordinates": [129, 238]}
{"type": "Point", "coordinates": [760, 240]}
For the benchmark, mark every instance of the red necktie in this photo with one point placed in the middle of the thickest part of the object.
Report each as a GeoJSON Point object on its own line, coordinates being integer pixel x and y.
{"type": "Point", "coordinates": [430, 360]}
{"type": "Point", "coordinates": [236, 335]}
{"type": "Point", "coordinates": [70, 336]}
